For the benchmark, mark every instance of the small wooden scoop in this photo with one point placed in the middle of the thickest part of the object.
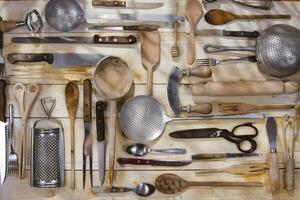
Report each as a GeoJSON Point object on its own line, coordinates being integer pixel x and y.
{"type": "Point", "coordinates": [172, 184]}
{"type": "Point", "coordinates": [193, 12]}
{"type": "Point", "coordinates": [242, 169]}
{"type": "Point", "coordinates": [150, 52]}
{"type": "Point", "coordinates": [220, 17]}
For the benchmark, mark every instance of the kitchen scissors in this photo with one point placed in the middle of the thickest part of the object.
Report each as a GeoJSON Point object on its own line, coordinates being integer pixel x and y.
{"type": "Point", "coordinates": [231, 136]}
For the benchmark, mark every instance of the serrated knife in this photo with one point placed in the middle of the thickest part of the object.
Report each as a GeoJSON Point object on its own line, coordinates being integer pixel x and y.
{"type": "Point", "coordinates": [137, 161]}
{"type": "Point", "coordinates": [56, 59]}
{"type": "Point", "coordinates": [273, 162]}
{"type": "Point", "coordinates": [124, 4]}
{"type": "Point", "coordinates": [100, 124]}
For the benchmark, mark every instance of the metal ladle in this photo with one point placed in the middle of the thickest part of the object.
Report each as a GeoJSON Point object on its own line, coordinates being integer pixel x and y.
{"type": "Point", "coordinates": [139, 149]}
{"type": "Point", "coordinates": [143, 189]}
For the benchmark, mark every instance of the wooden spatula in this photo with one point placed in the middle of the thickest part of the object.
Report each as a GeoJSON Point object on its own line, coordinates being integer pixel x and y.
{"type": "Point", "coordinates": [150, 52]}
{"type": "Point", "coordinates": [242, 169]}
{"type": "Point", "coordinates": [193, 12]}
{"type": "Point", "coordinates": [172, 184]}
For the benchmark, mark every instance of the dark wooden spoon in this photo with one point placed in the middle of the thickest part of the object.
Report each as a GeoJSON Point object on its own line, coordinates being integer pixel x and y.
{"type": "Point", "coordinates": [220, 17]}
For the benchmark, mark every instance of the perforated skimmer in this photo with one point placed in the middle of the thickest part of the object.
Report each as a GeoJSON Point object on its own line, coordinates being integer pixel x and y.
{"type": "Point", "coordinates": [143, 119]}
{"type": "Point", "coordinates": [277, 50]}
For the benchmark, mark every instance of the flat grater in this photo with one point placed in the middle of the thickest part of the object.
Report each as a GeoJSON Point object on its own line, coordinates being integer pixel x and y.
{"type": "Point", "coordinates": [47, 151]}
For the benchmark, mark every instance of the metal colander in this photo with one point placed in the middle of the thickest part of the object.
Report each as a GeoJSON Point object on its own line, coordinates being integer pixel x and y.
{"type": "Point", "coordinates": [143, 119]}
{"type": "Point", "coordinates": [277, 50]}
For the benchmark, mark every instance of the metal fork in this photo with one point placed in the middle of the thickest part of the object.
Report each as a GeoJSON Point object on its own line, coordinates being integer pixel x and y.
{"type": "Point", "coordinates": [214, 62]}
{"type": "Point", "coordinates": [13, 164]}
{"type": "Point", "coordinates": [2, 65]}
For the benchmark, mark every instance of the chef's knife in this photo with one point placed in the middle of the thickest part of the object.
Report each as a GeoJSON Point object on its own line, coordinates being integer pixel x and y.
{"type": "Point", "coordinates": [87, 120]}
{"type": "Point", "coordinates": [125, 28]}
{"type": "Point", "coordinates": [136, 161]}
{"type": "Point", "coordinates": [3, 151]}
{"type": "Point", "coordinates": [100, 124]}
{"type": "Point", "coordinates": [124, 4]}
{"type": "Point", "coordinates": [273, 163]}
{"type": "Point", "coordinates": [205, 156]}
{"type": "Point", "coordinates": [96, 39]}
{"type": "Point", "coordinates": [56, 59]}
{"type": "Point", "coordinates": [214, 32]}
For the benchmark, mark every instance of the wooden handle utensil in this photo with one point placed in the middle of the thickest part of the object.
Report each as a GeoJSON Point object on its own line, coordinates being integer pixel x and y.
{"type": "Point", "coordinates": [247, 88]}
{"type": "Point", "coordinates": [2, 99]}
{"type": "Point", "coordinates": [6, 26]}
{"type": "Point", "coordinates": [201, 72]}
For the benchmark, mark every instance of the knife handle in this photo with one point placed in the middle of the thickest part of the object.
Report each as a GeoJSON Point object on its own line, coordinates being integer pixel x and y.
{"type": "Point", "coordinates": [14, 58]}
{"type": "Point", "coordinates": [274, 172]}
{"type": "Point", "coordinates": [2, 100]}
{"type": "Point", "coordinates": [109, 3]}
{"type": "Point", "coordinates": [134, 161]}
{"type": "Point", "coordinates": [290, 174]}
{"type": "Point", "coordinates": [131, 39]}
{"type": "Point", "coordinates": [87, 100]}
{"type": "Point", "coordinates": [100, 108]}
{"type": "Point", "coordinates": [247, 34]}
{"type": "Point", "coordinates": [141, 28]}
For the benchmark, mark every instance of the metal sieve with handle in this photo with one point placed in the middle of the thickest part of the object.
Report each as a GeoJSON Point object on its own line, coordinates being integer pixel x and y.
{"type": "Point", "coordinates": [277, 50]}
{"type": "Point", "coordinates": [143, 119]}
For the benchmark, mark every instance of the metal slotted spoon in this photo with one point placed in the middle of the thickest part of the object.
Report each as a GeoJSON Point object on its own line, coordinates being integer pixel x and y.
{"type": "Point", "coordinates": [143, 119]}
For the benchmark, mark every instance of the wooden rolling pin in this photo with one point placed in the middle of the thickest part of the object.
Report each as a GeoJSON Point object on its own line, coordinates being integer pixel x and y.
{"type": "Point", "coordinates": [246, 88]}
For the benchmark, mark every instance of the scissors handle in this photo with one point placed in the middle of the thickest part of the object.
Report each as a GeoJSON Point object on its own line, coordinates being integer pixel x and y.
{"type": "Point", "coordinates": [253, 145]}
{"type": "Point", "coordinates": [248, 124]}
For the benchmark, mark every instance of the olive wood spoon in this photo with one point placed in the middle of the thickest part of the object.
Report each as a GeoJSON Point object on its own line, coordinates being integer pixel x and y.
{"type": "Point", "coordinates": [193, 12]}
{"type": "Point", "coordinates": [221, 17]}
{"type": "Point", "coordinates": [72, 97]}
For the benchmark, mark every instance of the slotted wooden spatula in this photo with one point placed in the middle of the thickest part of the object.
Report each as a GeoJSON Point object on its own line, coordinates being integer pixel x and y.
{"type": "Point", "coordinates": [150, 52]}
{"type": "Point", "coordinates": [241, 169]}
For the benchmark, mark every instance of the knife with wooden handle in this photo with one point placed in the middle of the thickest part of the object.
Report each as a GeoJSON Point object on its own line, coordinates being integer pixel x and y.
{"type": "Point", "coordinates": [2, 100]}
{"type": "Point", "coordinates": [125, 4]}
{"type": "Point", "coordinates": [137, 161]}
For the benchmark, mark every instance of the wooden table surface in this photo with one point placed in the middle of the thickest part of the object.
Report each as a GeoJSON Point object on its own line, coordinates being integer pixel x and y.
{"type": "Point", "coordinates": [52, 82]}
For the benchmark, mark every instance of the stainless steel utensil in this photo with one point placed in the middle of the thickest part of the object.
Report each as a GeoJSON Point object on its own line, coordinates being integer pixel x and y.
{"type": "Point", "coordinates": [142, 189]}
{"type": "Point", "coordinates": [3, 151]}
{"type": "Point", "coordinates": [277, 50]}
{"type": "Point", "coordinates": [139, 149]}
{"type": "Point", "coordinates": [213, 62]}
{"type": "Point", "coordinates": [13, 164]}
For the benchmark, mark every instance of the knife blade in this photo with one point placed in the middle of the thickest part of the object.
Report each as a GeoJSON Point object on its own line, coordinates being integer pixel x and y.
{"type": "Point", "coordinates": [196, 133]}
{"type": "Point", "coordinates": [56, 59]}
{"type": "Point", "coordinates": [100, 124]}
{"type": "Point", "coordinates": [222, 155]}
{"type": "Point", "coordinates": [124, 4]}
{"type": "Point", "coordinates": [214, 32]}
{"type": "Point", "coordinates": [3, 151]}
{"type": "Point", "coordinates": [158, 18]}
{"type": "Point", "coordinates": [96, 39]}
{"type": "Point", "coordinates": [137, 161]}
{"type": "Point", "coordinates": [273, 162]}
{"type": "Point", "coordinates": [125, 28]}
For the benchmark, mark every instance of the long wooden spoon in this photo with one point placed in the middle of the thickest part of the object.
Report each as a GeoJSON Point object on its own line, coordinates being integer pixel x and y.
{"type": "Point", "coordinates": [150, 52]}
{"type": "Point", "coordinates": [193, 12]}
{"type": "Point", "coordinates": [220, 17]}
{"type": "Point", "coordinates": [72, 97]}
{"type": "Point", "coordinates": [241, 169]}
{"type": "Point", "coordinates": [172, 184]}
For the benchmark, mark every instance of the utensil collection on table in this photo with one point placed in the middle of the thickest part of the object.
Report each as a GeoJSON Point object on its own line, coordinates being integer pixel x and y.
{"type": "Point", "coordinates": [142, 118]}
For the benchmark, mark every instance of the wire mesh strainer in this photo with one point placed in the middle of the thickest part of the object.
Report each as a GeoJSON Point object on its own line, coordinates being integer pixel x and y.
{"type": "Point", "coordinates": [143, 118]}
{"type": "Point", "coordinates": [277, 50]}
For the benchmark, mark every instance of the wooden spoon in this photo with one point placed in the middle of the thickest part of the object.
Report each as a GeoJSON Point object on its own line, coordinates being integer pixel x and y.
{"type": "Point", "coordinates": [241, 169]}
{"type": "Point", "coordinates": [172, 184]}
{"type": "Point", "coordinates": [193, 12]}
{"type": "Point", "coordinates": [220, 17]}
{"type": "Point", "coordinates": [150, 52]}
{"type": "Point", "coordinates": [72, 97]}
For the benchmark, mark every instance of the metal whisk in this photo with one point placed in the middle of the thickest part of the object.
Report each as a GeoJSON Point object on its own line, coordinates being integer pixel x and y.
{"type": "Point", "coordinates": [175, 48]}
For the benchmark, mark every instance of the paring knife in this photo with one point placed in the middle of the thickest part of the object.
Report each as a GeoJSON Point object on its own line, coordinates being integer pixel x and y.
{"type": "Point", "coordinates": [273, 163]}
{"type": "Point", "coordinates": [136, 161]}
{"type": "Point", "coordinates": [125, 28]}
{"type": "Point", "coordinates": [223, 155]}
{"type": "Point", "coordinates": [214, 32]}
{"type": "Point", "coordinates": [124, 4]}
{"type": "Point", "coordinates": [96, 39]}
{"type": "Point", "coordinates": [100, 124]}
{"type": "Point", "coordinates": [56, 59]}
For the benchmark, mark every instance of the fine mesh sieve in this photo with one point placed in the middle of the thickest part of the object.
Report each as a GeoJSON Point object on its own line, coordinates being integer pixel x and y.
{"type": "Point", "coordinates": [143, 119]}
{"type": "Point", "coordinates": [277, 50]}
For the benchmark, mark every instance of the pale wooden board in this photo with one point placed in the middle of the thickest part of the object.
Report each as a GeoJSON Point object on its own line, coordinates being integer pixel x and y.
{"type": "Point", "coordinates": [53, 84]}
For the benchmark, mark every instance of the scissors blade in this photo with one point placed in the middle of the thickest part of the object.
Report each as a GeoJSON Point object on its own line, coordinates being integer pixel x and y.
{"type": "Point", "coordinates": [197, 133]}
